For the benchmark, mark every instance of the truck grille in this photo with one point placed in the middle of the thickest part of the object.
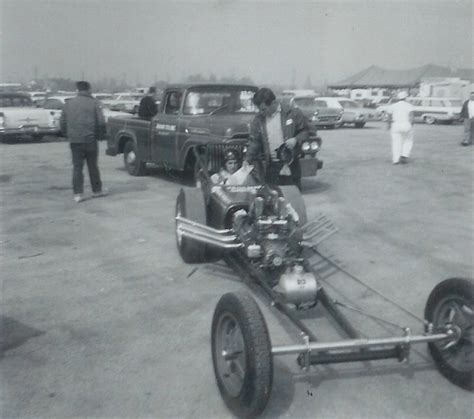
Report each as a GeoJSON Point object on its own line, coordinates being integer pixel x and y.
{"type": "Point", "coordinates": [215, 154]}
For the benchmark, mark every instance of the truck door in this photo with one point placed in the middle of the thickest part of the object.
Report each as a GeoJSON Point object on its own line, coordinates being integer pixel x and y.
{"type": "Point", "coordinates": [165, 130]}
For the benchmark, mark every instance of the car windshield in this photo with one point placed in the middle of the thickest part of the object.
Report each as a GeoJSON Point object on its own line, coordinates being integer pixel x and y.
{"type": "Point", "coordinates": [15, 101]}
{"type": "Point", "coordinates": [226, 100]}
{"type": "Point", "coordinates": [309, 104]}
{"type": "Point", "coordinates": [349, 104]}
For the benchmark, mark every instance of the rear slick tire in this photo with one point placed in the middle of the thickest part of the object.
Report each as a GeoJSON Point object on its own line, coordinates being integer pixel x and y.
{"type": "Point", "coordinates": [190, 204]}
{"type": "Point", "coordinates": [450, 306]}
{"type": "Point", "coordinates": [242, 354]}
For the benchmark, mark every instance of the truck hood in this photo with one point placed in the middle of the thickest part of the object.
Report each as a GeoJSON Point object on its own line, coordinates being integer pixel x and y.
{"type": "Point", "coordinates": [18, 117]}
{"type": "Point", "coordinates": [232, 125]}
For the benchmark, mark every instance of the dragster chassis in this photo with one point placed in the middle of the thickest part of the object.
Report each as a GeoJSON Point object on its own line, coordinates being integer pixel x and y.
{"type": "Point", "coordinates": [243, 353]}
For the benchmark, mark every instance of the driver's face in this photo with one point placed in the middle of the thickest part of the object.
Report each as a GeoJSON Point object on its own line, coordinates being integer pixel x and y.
{"type": "Point", "coordinates": [231, 166]}
{"type": "Point", "coordinates": [268, 110]}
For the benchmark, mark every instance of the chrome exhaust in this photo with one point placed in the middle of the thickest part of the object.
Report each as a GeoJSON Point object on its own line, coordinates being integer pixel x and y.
{"type": "Point", "coordinates": [224, 239]}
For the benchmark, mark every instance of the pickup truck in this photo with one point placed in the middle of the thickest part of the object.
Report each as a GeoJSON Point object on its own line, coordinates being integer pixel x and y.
{"type": "Point", "coordinates": [190, 116]}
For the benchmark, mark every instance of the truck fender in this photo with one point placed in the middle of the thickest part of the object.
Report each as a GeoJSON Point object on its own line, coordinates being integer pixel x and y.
{"type": "Point", "coordinates": [123, 137]}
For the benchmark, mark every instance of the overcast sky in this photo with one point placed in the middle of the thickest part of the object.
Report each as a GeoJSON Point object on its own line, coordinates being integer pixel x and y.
{"type": "Point", "coordinates": [271, 41]}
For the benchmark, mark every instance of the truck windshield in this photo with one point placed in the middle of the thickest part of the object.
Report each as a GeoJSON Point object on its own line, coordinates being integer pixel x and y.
{"type": "Point", "coordinates": [225, 100]}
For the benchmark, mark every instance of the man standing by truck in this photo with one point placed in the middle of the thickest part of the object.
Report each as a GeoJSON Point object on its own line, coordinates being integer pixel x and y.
{"type": "Point", "coordinates": [148, 108]}
{"type": "Point", "coordinates": [82, 122]}
{"type": "Point", "coordinates": [276, 125]}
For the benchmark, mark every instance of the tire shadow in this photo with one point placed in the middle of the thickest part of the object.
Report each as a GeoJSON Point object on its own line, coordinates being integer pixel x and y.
{"type": "Point", "coordinates": [313, 186]}
{"type": "Point", "coordinates": [283, 391]}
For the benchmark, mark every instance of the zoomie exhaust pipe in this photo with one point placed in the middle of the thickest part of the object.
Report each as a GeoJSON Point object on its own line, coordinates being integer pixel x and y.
{"type": "Point", "coordinates": [224, 239]}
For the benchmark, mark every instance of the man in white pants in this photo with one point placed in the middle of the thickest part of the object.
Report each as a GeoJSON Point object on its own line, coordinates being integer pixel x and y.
{"type": "Point", "coordinates": [401, 129]}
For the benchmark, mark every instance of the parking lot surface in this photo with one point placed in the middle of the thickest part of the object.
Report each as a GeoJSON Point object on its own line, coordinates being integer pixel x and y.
{"type": "Point", "coordinates": [101, 318]}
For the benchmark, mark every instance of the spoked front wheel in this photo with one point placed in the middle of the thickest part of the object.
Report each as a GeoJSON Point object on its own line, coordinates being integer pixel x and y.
{"type": "Point", "coordinates": [241, 354]}
{"type": "Point", "coordinates": [450, 308]}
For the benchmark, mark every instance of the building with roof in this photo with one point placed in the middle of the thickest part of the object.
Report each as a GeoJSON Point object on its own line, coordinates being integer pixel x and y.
{"type": "Point", "coordinates": [376, 81]}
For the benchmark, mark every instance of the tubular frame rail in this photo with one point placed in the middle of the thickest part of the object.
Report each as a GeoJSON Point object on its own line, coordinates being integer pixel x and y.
{"type": "Point", "coordinates": [352, 349]}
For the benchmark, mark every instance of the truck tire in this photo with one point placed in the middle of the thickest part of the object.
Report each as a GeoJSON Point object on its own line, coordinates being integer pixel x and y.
{"type": "Point", "coordinates": [293, 196]}
{"type": "Point", "coordinates": [190, 204]}
{"type": "Point", "coordinates": [359, 124]}
{"type": "Point", "coordinates": [451, 306]}
{"type": "Point", "coordinates": [134, 167]}
{"type": "Point", "coordinates": [241, 354]}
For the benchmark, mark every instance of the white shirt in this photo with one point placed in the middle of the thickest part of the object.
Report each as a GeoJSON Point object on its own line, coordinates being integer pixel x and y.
{"type": "Point", "coordinates": [470, 108]}
{"type": "Point", "coordinates": [401, 112]}
{"type": "Point", "coordinates": [274, 132]}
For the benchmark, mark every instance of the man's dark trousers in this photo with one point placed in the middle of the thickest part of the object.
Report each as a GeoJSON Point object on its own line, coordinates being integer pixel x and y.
{"type": "Point", "coordinates": [88, 152]}
{"type": "Point", "coordinates": [273, 176]}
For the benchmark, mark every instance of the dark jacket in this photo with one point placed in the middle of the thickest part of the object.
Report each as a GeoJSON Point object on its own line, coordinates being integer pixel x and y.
{"type": "Point", "coordinates": [82, 119]}
{"type": "Point", "coordinates": [465, 110]}
{"type": "Point", "coordinates": [293, 124]}
{"type": "Point", "coordinates": [148, 107]}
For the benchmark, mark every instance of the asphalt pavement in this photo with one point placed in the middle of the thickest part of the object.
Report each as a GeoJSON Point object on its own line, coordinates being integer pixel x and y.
{"type": "Point", "coordinates": [101, 318]}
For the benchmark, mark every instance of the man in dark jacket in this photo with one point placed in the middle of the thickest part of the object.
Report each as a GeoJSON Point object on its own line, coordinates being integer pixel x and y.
{"type": "Point", "coordinates": [467, 113]}
{"type": "Point", "coordinates": [82, 122]}
{"type": "Point", "coordinates": [148, 107]}
{"type": "Point", "coordinates": [276, 125]}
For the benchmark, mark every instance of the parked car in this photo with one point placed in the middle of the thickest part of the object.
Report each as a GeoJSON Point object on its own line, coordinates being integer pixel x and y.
{"type": "Point", "coordinates": [19, 117]}
{"type": "Point", "coordinates": [318, 112]}
{"type": "Point", "coordinates": [432, 110]}
{"type": "Point", "coordinates": [192, 116]}
{"type": "Point", "coordinates": [125, 102]}
{"type": "Point", "coordinates": [103, 96]}
{"type": "Point", "coordinates": [355, 113]}
{"type": "Point", "coordinates": [37, 98]}
{"type": "Point", "coordinates": [55, 104]}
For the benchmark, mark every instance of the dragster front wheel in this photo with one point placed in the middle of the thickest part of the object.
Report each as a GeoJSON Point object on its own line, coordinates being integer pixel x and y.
{"type": "Point", "coordinates": [450, 308]}
{"type": "Point", "coordinates": [241, 354]}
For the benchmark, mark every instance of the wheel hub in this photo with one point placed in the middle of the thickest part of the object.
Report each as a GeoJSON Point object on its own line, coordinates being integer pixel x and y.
{"type": "Point", "coordinates": [131, 158]}
{"type": "Point", "coordinates": [230, 351]}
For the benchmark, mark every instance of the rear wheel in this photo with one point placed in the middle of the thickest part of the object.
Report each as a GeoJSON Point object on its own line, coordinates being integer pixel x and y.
{"type": "Point", "coordinates": [293, 196]}
{"type": "Point", "coordinates": [241, 354]}
{"type": "Point", "coordinates": [450, 308]}
{"type": "Point", "coordinates": [430, 120]}
{"type": "Point", "coordinates": [359, 124]}
{"type": "Point", "coordinates": [190, 204]}
{"type": "Point", "coordinates": [134, 166]}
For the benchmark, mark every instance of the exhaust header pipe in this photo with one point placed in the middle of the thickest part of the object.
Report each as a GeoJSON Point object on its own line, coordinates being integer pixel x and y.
{"type": "Point", "coordinates": [224, 239]}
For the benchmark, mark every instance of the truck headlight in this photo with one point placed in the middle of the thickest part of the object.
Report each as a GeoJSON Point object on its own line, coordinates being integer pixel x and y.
{"type": "Point", "coordinates": [314, 145]}
{"type": "Point", "coordinates": [305, 146]}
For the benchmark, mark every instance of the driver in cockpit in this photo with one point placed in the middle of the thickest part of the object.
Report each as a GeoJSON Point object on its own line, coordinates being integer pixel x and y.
{"type": "Point", "coordinates": [231, 165]}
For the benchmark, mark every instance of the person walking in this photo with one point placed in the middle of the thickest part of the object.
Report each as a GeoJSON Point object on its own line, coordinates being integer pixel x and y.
{"type": "Point", "coordinates": [82, 122]}
{"type": "Point", "coordinates": [274, 126]}
{"type": "Point", "coordinates": [400, 123]}
{"type": "Point", "coordinates": [148, 107]}
{"type": "Point", "coordinates": [467, 113]}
